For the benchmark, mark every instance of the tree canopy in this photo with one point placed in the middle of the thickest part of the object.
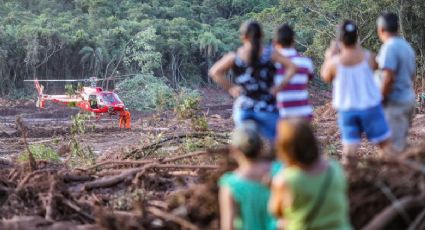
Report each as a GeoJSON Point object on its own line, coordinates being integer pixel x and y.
{"type": "Point", "coordinates": [175, 40]}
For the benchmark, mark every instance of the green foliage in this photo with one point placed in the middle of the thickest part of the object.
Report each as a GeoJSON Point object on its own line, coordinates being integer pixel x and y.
{"type": "Point", "coordinates": [142, 51]}
{"type": "Point", "coordinates": [188, 107]}
{"type": "Point", "coordinates": [315, 21]}
{"type": "Point", "coordinates": [69, 89]}
{"type": "Point", "coordinates": [72, 104]}
{"type": "Point", "coordinates": [199, 123]}
{"type": "Point", "coordinates": [80, 86]}
{"type": "Point", "coordinates": [187, 104]}
{"type": "Point", "coordinates": [146, 92]}
{"type": "Point", "coordinates": [80, 155]}
{"type": "Point", "coordinates": [78, 126]}
{"type": "Point", "coordinates": [174, 40]}
{"type": "Point", "coordinates": [40, 152]}
{"type": "Point", "coordinates": [209, 44]}
{"type": "Point", "coordinates": [194, 144]}
{"type": "Point", "coordinates": [92, 58]}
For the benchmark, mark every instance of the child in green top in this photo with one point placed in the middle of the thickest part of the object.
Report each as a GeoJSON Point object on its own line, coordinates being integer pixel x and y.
{"type": "Point", "coordinates": [244, 193]}
{"type": "Point", "coordinates": [311, 192]}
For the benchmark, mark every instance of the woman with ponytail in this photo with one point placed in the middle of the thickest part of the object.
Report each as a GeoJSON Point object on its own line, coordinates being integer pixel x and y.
{"type": "Point", "coordinates": [253, 67]}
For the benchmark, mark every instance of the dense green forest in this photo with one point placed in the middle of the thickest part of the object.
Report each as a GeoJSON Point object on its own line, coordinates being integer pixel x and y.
{"type": "Point", "coordinates": [174, 41]}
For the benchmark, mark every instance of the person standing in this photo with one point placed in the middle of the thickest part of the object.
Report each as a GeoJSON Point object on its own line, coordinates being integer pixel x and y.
{"type": "Point", "coordinates": [396, 60]}
{"type": "Point", "coordinates": [125, 119]}
{"type": "Point", "coordinates": [244, 193]}
{"type": "Point", "coordinates": [355, 94]}
{"type": "Point", "coordinates": [254, 69]}
{"type": "Point", "coordinates": [292, 100]}
{"type": "Point", "coordinates": [311, 191]}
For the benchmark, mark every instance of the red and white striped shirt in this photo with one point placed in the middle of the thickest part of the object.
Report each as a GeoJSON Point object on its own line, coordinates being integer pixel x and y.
{"type": "Point", "coordinates": [292, 101]}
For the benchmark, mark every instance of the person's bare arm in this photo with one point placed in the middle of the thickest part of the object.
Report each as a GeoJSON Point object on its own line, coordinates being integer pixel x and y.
{"type": "Point", "coordinates": [290, 68]}
{"type": "Point", "coordinates": [328, 71]}
{"type": "Point", "coordinates": [280, 196]}
{"type": "Point", "coordinates": [219, 71]}
{"type": "Point", "coordinates": [227, 208]}
{"type": "Point", "coordinates": [275, 202]}
{"type": "Point", "coordinates": [372, 61]}
{"type": "Point", "coordinates": [387, 82]}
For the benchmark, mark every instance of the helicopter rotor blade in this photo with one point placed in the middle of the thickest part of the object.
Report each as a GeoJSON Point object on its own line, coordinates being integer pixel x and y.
{"type": "Point", "coordinates": [83, 80]}
{"type": "Point", "coordinates": [68, 80]}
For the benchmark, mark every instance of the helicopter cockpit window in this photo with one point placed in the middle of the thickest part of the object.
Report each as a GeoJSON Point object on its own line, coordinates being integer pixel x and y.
{"type": "Point", "coordinates": [93, 101]}
{"type": "Point", "coordinates": [117, 98]}
{"type": "Point", "coordinates": [110, 98]}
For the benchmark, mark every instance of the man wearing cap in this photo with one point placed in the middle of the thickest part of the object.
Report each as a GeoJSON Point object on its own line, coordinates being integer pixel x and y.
{"type": "Point", "coordinates": [396, 60]}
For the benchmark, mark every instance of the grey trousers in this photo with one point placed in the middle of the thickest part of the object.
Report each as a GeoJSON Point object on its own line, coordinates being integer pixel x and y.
{"type": "Point", "coordinates": [399, 117]}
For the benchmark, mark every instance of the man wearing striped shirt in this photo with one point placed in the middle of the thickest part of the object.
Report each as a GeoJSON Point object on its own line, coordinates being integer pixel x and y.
{"type": "Point", "coordinates": [292, 94]}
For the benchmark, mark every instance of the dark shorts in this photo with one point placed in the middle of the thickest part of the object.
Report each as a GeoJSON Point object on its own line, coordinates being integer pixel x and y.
{"type": "Point", "coordinates": [370, 121]}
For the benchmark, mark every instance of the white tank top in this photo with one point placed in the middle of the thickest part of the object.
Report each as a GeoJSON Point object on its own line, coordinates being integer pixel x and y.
{"type": "Point", "coordinates": [354, 87]}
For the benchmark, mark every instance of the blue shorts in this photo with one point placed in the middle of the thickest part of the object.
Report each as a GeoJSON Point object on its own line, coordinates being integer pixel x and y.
{"type": "Point", "coordinates": [266, 121]}
{"type": "Point", "coordinates": [370, 121]}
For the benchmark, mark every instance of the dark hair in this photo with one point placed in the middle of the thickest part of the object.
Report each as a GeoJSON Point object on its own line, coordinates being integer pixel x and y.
{"type": "Point", "coordinates": [389, 22]}
{"type": "Point", "coordinates": [247, 139]}
{"type": "Point", "coordinates": [296, 141]}
{"type": "Point", "coordinates": [252, 30]}
{"type": "Point", "coordinates": [285, 35]}
{"type": "Point", "coordinates": [348, 33]}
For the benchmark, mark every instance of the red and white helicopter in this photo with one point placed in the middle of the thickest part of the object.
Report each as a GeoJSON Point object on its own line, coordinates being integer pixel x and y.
{"type": "Point", "coordinates": [92, 99]}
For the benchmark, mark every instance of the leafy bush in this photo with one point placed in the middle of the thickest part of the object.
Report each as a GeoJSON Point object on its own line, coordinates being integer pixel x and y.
{"type": "Point", "coordinates": [69, 89]}
{"type": "Point", "coordinates": [188, 107]}
{"type": "Point", "coordinates": [80, 155]}
{"type": "Point", "coordinates": [40, 152]}
{"type": "Point", "coordinates": [79, 123]}
{"type": "Point", "coordinates": [146, 92]}
{"type": "Point", "coordinates": [187, 103]}
{"type": "Point", "coordinates": [199, 123]}
{"type": "Point", "coordinates": [194, 144]}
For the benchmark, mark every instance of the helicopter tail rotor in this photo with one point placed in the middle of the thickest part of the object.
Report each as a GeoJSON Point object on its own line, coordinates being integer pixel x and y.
{"type": "Point", "coordinates": [40, 101]}
{"type": "Point", "coordinates": [38, 87]}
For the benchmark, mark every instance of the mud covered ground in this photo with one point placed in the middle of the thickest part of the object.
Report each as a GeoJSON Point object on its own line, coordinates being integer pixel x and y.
{"type": "Point", "coordinates": [162, 174]}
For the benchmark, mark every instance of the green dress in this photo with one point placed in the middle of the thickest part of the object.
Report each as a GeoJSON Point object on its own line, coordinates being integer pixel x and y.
{"type": "Point", "coordinates": [333, 213]}
{"type": "Point", "coordinates": [252, 198]}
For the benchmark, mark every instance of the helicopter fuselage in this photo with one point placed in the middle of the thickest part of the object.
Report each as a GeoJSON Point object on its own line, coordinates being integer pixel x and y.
{"type": "Point", "coordinates": [91, 99]}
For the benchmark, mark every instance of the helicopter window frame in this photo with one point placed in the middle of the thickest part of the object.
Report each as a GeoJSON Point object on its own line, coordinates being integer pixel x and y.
{"type": "Point", "coordinates": [110, 98]}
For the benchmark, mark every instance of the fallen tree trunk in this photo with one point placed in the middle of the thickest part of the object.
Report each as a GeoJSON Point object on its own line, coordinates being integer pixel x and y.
{"type": "Point", "coordinates": [158, 144]}
{"type": "Point", "coordinates": [113, 180]}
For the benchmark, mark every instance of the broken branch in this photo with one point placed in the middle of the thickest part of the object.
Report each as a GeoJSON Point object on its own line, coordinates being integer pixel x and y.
{"type": "Point", "coordinates": [170, 217]}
